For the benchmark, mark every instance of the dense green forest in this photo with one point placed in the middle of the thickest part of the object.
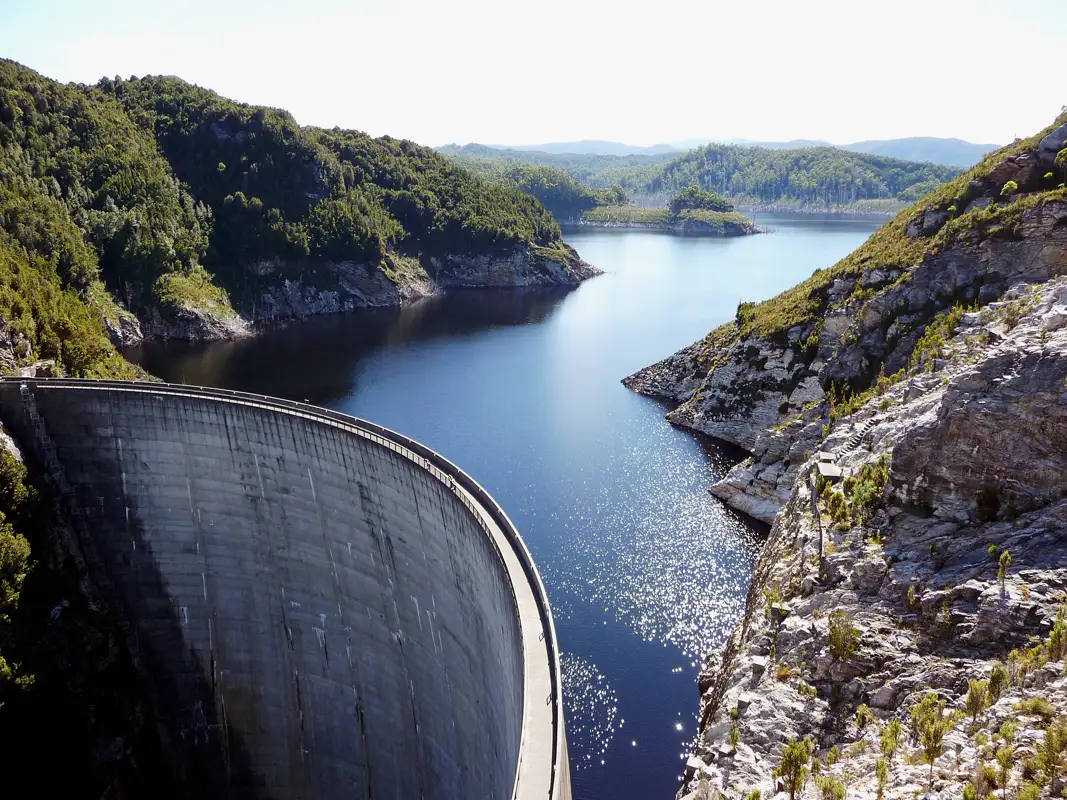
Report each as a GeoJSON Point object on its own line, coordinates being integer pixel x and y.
{"type": "Point", "coordinates": [562, 196]}
{"type": "Point", "coordinates": [595, 171]}
{"type": "Point", "coordinates": [812, 177]}
{"type": "Point", "coordinates": [278, 190]}
{"type": "Point", "coordinates": [817, 176]}
{"type": "Point", "coordinates": [162, 189]}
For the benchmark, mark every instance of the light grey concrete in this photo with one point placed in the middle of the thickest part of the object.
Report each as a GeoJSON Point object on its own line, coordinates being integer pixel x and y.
{"type": "Point", "coordinates": [325, 608]}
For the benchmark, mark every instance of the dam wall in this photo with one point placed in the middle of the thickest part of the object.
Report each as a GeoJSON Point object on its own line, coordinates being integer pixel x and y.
{"type": "Point", "coordinates": [323, 608]}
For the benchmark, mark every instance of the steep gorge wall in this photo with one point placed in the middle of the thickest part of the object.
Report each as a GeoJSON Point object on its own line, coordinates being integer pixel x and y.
{"type": "Point", "coordinates": [322, 611]}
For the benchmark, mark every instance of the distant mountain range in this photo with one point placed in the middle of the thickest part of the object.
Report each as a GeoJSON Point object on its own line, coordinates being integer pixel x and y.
{"type": "Point", "coordinates": [950, 152]}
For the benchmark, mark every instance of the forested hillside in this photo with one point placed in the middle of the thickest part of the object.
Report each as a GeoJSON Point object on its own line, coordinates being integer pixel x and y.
{"type": "Point", "coordinates": [818, 176]}
{"type": "Point", "coordinates": [595, 171]}
{"type": "Point", "coordinates": [180, 201]}
{"type": "Point", "coordinates": [562, 196]}
{"type": "Point", "coordinates": [808, 178]}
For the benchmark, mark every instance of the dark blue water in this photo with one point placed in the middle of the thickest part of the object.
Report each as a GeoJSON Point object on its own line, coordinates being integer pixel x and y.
{"type": "Point", "coordinates": [646, 571]}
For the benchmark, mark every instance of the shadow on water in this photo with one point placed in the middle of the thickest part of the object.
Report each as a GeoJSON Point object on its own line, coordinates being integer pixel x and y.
{"type": "Point", "coordinates": [315, 359]}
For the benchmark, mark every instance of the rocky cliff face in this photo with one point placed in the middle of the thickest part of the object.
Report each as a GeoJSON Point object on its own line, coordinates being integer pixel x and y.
{"type": "Point", "coordinates": [914, 598]}
{"type": "Point", "coordinates": [291, 291]}
{"type": "Point", "coordinates": [906, 629]}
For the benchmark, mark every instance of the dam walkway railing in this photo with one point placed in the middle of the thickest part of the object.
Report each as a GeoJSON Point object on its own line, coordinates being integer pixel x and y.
{"type": "Point", "coordinates": [462, 485]}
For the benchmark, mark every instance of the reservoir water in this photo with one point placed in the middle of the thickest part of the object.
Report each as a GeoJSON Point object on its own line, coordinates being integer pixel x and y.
{"type": "Point", "coordinates": [645, 570]}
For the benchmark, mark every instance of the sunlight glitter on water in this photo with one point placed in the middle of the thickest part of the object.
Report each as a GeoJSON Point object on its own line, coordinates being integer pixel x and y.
{"type": "Point", "coordinates": [591, 708]}
{"type": "Point", "coordinates": [672, 564]}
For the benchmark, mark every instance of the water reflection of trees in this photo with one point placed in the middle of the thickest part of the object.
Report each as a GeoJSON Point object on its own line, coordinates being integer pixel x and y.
{"type": "Point", "coordinates": [317, 359]}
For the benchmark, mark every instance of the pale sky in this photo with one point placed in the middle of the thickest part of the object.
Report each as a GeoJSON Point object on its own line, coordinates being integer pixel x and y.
{"type": "Point", "coordinates": [553, 70]}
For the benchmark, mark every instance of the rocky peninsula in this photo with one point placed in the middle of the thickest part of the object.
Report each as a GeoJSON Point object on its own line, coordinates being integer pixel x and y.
{"type": "Point", "coordinates": [906, 411]}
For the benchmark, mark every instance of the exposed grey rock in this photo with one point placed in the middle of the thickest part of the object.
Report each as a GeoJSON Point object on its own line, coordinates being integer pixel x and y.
{"type": "Point", "coordinates": [1051, 145]}
{"type": "Point", "coordinates": [742, 391]}
{"type": "Point", "coordinates": [942, 439]}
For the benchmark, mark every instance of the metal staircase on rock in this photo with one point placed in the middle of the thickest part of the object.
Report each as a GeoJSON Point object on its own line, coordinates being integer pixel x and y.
{"type": "Point", "coordinates": [854, 440]}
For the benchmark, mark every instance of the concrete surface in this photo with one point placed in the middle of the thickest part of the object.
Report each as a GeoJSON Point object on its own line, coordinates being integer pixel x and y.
{"type": "Point", "coordinates": [324, 607]}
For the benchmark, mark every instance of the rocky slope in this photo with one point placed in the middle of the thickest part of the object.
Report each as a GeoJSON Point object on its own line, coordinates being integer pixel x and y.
{"type": "Point", "coordinates": [754, 381]}
{"type": "Point", "coordinates": [889, 647]}
{"type": "Point", "coordinates": [913, 597]}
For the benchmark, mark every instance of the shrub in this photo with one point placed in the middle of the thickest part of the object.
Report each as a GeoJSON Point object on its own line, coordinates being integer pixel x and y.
{"type": "Point", "coordinates": [864, 716]}
{"type": "Point", "coordinates": [890, 739]}
{"type": "Point", "coordinates": [1002, 571]}
{"type": "Point", "coordinates": [833, 756]}
{"type": "Point", "coordinates": [931, 723]}
{"type": "Point", "coordinates": [881, 770]}
{"type": "Point", "coordinates": [844, 637]}
{"type": "Point", "coordinates": [1050, 752]}
{"type": "Point", "coordinates": [1006, 753]}
{"type": "Point", "coordinates": [1037, 707]}
{"type": "Point", "coordinates": [771, 595]}
{"type": "Point", "coordinates": [1009, 188]}
{"type": "Point", "coordinates": [999, 679]}
{"type": "Point", "coordinates": [1057, 640]}
{"type": "Point", "coordinates": [830, 788]}
{"type": "Point", "coordinates": [735, 735]}
{"type": "Point", "coordinates": [793, 768]}
{"type": "Point", "coordinates": [977, 698]}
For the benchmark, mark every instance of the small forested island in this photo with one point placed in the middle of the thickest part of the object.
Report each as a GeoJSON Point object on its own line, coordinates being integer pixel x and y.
{"type": "Point", "coordinates": [692, 212]}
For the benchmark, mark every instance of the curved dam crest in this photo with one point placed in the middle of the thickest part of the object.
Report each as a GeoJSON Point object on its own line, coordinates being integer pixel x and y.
{"type": "Point", "coordinates": [323, 608]}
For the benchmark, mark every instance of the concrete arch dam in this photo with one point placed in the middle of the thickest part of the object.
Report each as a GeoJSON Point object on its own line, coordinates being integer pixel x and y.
{"type": "Point", "coordinates": [322, 607]}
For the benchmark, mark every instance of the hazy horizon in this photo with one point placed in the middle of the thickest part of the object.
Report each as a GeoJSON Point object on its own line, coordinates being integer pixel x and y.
{"type": "Point", "coordinates": [475, 71]}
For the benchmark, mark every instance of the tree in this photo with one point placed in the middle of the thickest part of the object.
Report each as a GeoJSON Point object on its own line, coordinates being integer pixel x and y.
{"type": "Point", "coordinates": [891, 734]}
{"type": "Point", "coordinates": [692, 198]}
{"type": "Point", "coordinates": [1002, 571]}
{"type": "Point", "coordinates": [793, 768]}
{"type": "Point", "coordinates": [881, 771]}
{"type": "Point", "coordinates": [931, 723]}
{"type": "Point", "coordinates": [999, 678]}
{"type": "Point", "coordinates": [977, 699]}
{"type": "Point", "coordinates": [1050, 752]}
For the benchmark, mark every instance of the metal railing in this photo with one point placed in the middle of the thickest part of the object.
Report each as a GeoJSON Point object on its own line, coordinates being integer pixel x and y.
{"type": "Point", "coordinates": [443, 469]}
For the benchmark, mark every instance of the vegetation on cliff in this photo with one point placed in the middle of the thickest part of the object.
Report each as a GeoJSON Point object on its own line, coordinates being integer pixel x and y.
{"type": "Point", "coordinates": [903, 242]}
{"type": "Point", "coordinates": [154, 185]}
